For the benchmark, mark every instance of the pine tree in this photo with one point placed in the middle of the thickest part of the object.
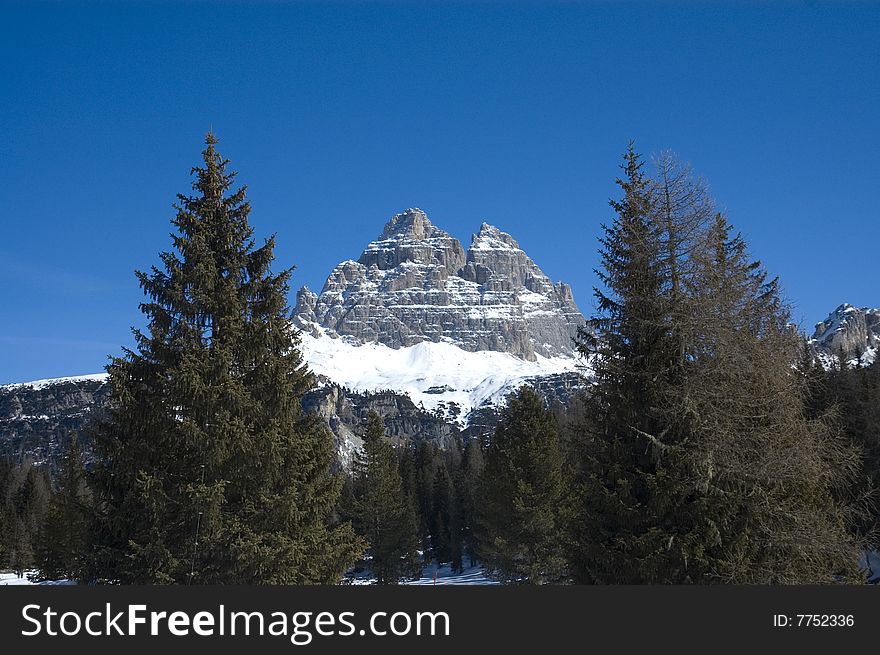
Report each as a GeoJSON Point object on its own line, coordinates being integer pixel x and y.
{"type": "Point", "coordinates": [385, 515]}
{"type": "Point", "coordinates": [6, 516]}
{"type": "Point", "coordinates": [64, 535]}
{"type": "Point", "coordinates": [425, 469]}
{"type": "Point", "coordinates": [25, 501]}
{"type": "Point", "coordinates": [210, 471]}
{"type": "Point", "coordinates": [407, 470]}
{"type": "Point", "coordinates": [443, 539]}
{"type": "Point", "coordinates": [470, 478]}
{"type": "Point", "coordinates": [634, 523]}
{"type": "Point", "coordinates": [868, 441]}
{"type": "Point", "coordinates": [524, 504]}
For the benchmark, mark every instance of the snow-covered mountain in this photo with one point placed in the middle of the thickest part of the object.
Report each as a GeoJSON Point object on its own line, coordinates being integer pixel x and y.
{"type": "Point", "coordinates": [417, 284]}
{"type": "Point", "coordinates": [440, 377]}
{"type": "Point", "coordinates": [851, 331]}
{"type": "Point", "coordinates": [453, 330]}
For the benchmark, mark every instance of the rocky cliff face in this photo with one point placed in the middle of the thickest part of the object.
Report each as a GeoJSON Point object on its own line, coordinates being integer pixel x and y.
{"type": "Point", "coordinates": [345, 413]}
{"type": "Point", "coordinates": [851, 331]}
{"type": "Point", "coordinates": [37, 420]}
{"type": "Point", "coordinates": [416, 283]}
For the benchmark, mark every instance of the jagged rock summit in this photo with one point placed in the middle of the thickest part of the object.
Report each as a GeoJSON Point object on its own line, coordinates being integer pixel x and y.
{"type": "Point", "coordinates": [849, 331]}
{"type": "Point", "coordinates": [416, 283]}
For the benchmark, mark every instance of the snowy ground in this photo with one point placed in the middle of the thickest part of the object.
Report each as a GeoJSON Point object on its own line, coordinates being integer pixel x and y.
{"type": "Point", "coordinates": [7, 579]}
{"type": "Point", "coordinates": [472, 576]}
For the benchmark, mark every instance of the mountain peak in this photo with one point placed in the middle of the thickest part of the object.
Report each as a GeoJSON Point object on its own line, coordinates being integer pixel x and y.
{"type": "Point", "coordinates": [411, 223]}
{"type": "Point", "coordinates": [491, 238]}
{"type": "Point", "coordinates": [848, 330]}
{"type": "Point", "coordinates": [416, 284]}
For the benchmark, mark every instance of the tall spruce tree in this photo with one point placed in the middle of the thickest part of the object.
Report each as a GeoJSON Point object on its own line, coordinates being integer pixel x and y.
{"type": "Point", "coordinates": [7, 471]}
{"type": "Point", "coordinates": [406, 468]}
{"type": "Point", "coordinates": [523, 503]}
{"type": "Point", "coordinates": [635, 522]}
{"type": "Point", "coordinates": [210, 471]}
{"type": "Point", "coordinates": [385, 515]}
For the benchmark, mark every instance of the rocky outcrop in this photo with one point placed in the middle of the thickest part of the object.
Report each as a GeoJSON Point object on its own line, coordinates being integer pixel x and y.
{"type": "Point", "coordinates": [850, 331]}
{"type": "Point", "coordinates": [37, 420]}
{"type": "Point", "coordinates": [416, 283]}
{"type": "Point", "coordinates": [345, 413]}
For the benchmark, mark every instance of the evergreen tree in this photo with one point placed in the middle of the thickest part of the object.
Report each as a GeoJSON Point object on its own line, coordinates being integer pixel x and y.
{"type": "Point", "coordinates": [25, 500]}
{"type": "Point", "coordinates": [470, 477]}
{"type": "Point", "coordinates": [524, 504]}
{"type": "Point", "coordinates": [210, 471]}
{"type": "Point", "coordinates": [443, 538]}
{"type": "Point", "coordinates": [868, 441]}
{"type": "Point", "coordinates": [425, 468]}
{"type": "Point", "coordinates": [6, 470]}
{"type": "Point", "coordinates": [635, 520]}
{"type": "Point", "coordinates": [64, 535]}
{"type": "Point", "coordinates": [385, 515]}
{"type": "Point", "coordinates": [407, 470]}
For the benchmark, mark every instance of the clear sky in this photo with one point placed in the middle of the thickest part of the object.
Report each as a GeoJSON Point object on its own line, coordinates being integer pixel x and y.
{"type": "Point", "coordinates": [337, 116]}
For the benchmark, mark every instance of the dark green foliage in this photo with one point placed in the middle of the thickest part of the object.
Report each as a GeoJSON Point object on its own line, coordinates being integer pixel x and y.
{"type": "Point", "coordinates": [24, 501]}
{"type": "Point", "coordinates": [426, 456]}
{"type": "Point", "coordinates": [63, 539]}
{"type": "Point", "coordinates": [523, 502]}
{"type": "Point", "coordinates": [468, 483]}
{"type": "Point", "coordinates": [209, 471]}
{"type": "Point", "coordinates": [698, 462]}
{"type": "Point", "coordinates": [383, 513]}
{"type": "Point", "coordinates": [444, 527]}
{"type": "Point", "coordinates": [633, 522]}
{"type": "Point", "coordinates": [711, 445]}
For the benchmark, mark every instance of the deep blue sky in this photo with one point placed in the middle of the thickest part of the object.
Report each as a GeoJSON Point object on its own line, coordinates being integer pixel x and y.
{"type": "Point", "coordinates": [338, 116]}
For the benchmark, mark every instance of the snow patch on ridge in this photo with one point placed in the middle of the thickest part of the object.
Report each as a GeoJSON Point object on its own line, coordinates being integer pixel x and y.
{"type": "Point", "coordinates": [433, 374]}
{"type": "Point", "coordinates": [430, 373]}
{"type": "Point", "coordinates": [42, 384]}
